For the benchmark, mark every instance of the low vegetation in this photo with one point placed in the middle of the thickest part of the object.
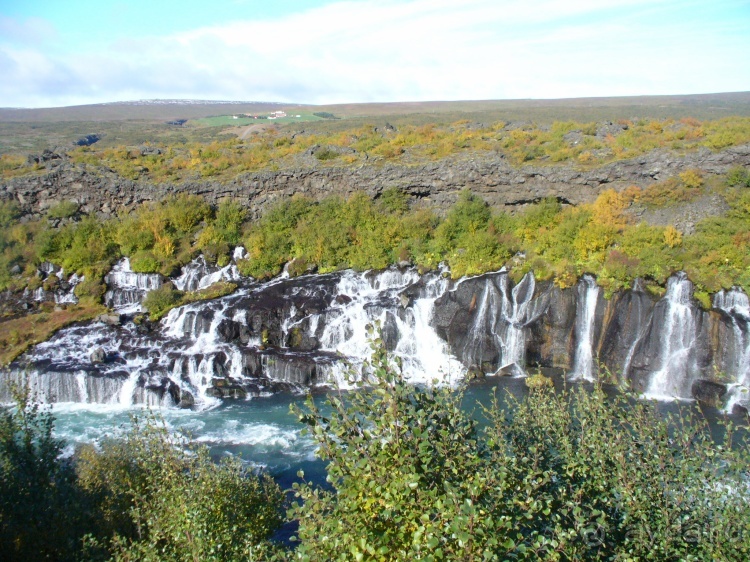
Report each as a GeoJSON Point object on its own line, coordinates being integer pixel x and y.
{"type": "Point", "coordinates": [19, 334]}
{"type": "Point", "coordinates": [557, 242]}
{"type": "Point", "coordinates": [160, 301]}
{"type": "Point", "coordinates": [147, 495]}
{"type": "Point", "coordinates": [224, 158]}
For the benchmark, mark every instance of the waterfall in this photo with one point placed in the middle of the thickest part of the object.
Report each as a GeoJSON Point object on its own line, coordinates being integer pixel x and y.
{"type": "Point", "coordinates": [425, 357]}
{"type": "Point", "coordinates": [204, 355]}
{"type": "Point", "coordinates": [638, 287]}
{"type": "Point", "coordinates": [483, 337]}
{"type": "Point", "coordinates": [363, 299]}
{"type": "Point", "coordinates": [291, 333]}
{"type": "Point", "coordinates": [234, 345]}
{"type": "Point", "coordinates": [583, 360]}
{"type": "Point", "coordinates": [61, 291]}
{"type": "Point", "coordinates": [736, 305]}
{"type": "Point", "coordinates": [127, 288]}
{"type": "Point", "coordinates": [67, 296]}
{"type": "Point", "coordinates": [519, 309]}
{"type": "Point", "coordinates": [199, 275]}
{"type": "Point", "coordinates": [678, 334]}
{"type": "Point", "coordinates": [499, 320]}
{"type": "Point", "coordinates": [62, 386]}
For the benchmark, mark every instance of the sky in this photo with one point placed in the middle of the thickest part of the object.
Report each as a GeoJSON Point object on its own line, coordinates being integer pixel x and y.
{"type": "Point", "coordinates": [57, 53]}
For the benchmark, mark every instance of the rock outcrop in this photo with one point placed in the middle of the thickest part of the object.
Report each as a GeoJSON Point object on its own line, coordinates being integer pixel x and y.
{"type": "Point", "coordinates": [488, 174]}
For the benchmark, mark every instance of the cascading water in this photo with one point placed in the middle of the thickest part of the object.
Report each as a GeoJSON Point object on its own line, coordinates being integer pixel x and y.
{"type": "Point", "coordinates": [199, 275]}
{"type": "Point", "coordinates": [583, 360]}
{"type": "Point", "coordinates": [639, 320]}
{"type": "Point", "coordinates": [498, 321]}
{"type": "Point", "coordinates": [678, 334]}
{"type": "Point", "coordinates": [425, 356]}
{"type": "Point", "coordinates": [59, 289]}
{"type": "Point", "coordinates": [279, 335]}
{"type": "Point", "coordinates": [292, 333]}
{"type": "Point", "coordinates": [127, 288]}
{"type": "Point", "coordinates": [483, 338]}
{"type": "Point", "coordinates": [364, 299]}
{"type": "Point", "coordinates": [68, 296]}
{"type": "Point", "coordinates": [736, 305]}
{"type": "Point", "coordinates": [518, 310]}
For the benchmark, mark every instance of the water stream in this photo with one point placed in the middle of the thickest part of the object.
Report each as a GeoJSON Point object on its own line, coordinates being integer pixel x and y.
{"type": "Point", "coordinates": [583, 360]}
{"type": "Point", "coordinates": [736, 305]}
{"type": "Point", "coordinates": [678, 334]}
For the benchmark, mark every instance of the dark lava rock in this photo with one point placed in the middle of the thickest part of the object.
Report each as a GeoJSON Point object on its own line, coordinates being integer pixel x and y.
{"type": "Point", "coordinates": [708, 392]}
{"type": "Point", "coordinates": [98, 355]}
{"type": "Point", "coordinates": [88, 140]}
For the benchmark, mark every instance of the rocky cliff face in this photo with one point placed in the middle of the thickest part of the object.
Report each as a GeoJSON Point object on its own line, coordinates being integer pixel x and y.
{"type": "Point", "coordinates": [488, 174]}
{"type": "Point", "coordinates": [294, 333]}
{"type": "Point", "coordinates": [666, 347]}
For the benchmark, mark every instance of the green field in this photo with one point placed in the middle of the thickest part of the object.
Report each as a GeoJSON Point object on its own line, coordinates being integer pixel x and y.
{"type": "Point", "coordinates": [228, 120]}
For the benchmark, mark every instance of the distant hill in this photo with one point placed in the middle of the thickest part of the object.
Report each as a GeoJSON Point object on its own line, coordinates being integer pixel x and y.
{"type": "Point", "coordinates": [142, 110]}
{"type": "Point", "coordinates": [24, 131]}
{"type": "Point", "coordinates": [702, 106]}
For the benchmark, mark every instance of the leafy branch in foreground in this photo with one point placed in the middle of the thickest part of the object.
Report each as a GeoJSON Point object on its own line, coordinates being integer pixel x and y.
{"type": "Point", "coordinates": [147, 496]}
{"type": "Point", "coordinates": [40, 509]}
{"type": "Point", "coordinates": [160, 500]}
{"type": "Point", "coordinates": [558, 476]}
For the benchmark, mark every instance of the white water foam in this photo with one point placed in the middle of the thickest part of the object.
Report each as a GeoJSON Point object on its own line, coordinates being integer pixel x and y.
{"type": "Point", "coordinates": [376, 298]}
{"type": "Point", "coordinates": [199, 275]}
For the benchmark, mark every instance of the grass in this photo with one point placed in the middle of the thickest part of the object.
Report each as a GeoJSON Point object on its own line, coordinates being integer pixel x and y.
{"type": "Point", "coordinates": [19, 334]}
{"type": "Point", "coordinates": [229, 121]}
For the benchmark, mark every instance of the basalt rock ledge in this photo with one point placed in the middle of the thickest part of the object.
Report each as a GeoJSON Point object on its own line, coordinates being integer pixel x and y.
{"type": "Point", "coordinates": [490, 175]}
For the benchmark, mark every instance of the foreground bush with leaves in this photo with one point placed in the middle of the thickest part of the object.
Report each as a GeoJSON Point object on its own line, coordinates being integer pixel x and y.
{"type": "Point", "coordinates": [160, 501]}
{"type": "Point", "coordinates": [144, 496]}
{"type": "Point", "coordinates": [40, 507]}
{"type": "Point", "coordinates": [567, 476]}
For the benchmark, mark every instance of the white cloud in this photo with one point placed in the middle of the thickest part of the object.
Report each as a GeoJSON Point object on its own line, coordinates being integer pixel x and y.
{"type": "Point", "coordinates": [392, 51]}
{"type": "Point", "coordinates": [30, 30]}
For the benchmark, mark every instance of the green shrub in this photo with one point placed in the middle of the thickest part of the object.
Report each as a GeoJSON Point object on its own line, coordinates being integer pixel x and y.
{"type": "Point", "coordinates": [330, 234]}
{"type": "Point", "coordinates": [219, 289]}
{"type": "Point", "coordinates": [160, 301]}
{"type": "Point", "coordinates": [40, 509]}
{"type": "Point", "coordinates": [738, 176]}
{"type": "Point", "coordinates": [229, 219]}
{"type": "Point", "coordinates": [144, 262]}
{"type": "Point", "coordinates": [405, 463]}
{"type": "Point", "coordinates": [9, 212]}
{"type": "Point", "coordinates": [63, 210]}
{"type": "Point", "coordinates": [571, 475]}
{"type": "Point", "coordinates": [91, 288]}
{"type": "Point", "coordinates": [326, 154]}
{"type": "Point", "coordinates": [160, 499]}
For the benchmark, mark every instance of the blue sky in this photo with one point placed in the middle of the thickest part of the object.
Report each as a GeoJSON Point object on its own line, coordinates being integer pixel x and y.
{"type": "Point", "coordinates": [55, 53]}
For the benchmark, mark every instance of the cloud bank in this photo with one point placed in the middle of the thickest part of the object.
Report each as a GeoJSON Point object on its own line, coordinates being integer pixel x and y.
{"type": "Point", "coordinates": [386, 50]}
